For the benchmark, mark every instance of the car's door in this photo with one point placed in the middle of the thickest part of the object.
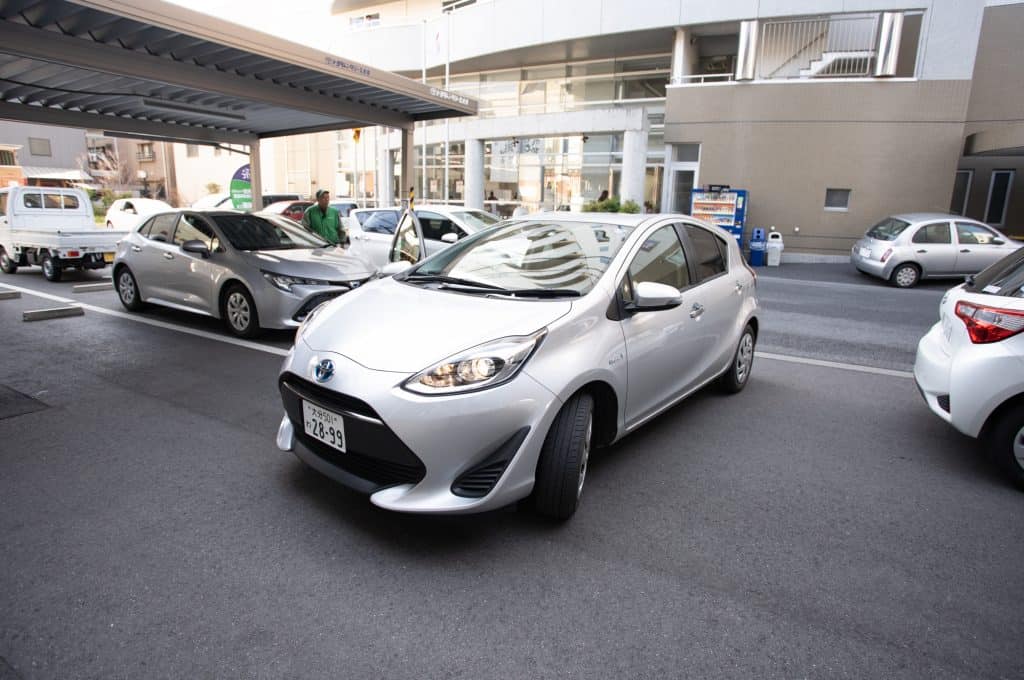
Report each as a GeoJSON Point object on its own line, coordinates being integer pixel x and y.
{"type": "Point", "coordinates": [977, 247]}
{"type": "Point", "coordinates": [373, 239]}
{"type": "Point", "coordinates": [152, 256]}
{"type": "Point", "coordinates": [662, 347]}
{"type": "Point", "coordinates": [435, 226]}
{"type": "Point", "coordinates": [193, 276]}
{"type": "Point", "coordinates": [933, 248]}
{"type": "Point", "coordinates": [407, 243]}
{"type": "Point", "coordinates": [717, 297]}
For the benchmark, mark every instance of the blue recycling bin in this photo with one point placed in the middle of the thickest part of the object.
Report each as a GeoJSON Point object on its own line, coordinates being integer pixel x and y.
{"type": "Point", "coordinates": [758, 247]}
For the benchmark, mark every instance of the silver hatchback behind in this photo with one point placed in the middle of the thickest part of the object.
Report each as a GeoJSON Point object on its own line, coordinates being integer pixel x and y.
{"type": "Point", "coordinates": [903, 249]}
{"type": "Point", "coordinates": [486, 373]}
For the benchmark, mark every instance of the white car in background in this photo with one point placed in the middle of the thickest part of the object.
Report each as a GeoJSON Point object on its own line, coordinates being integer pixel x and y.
{"type": "Point", "coordinates": [970, 365]}
{"type": "Point", "coordinates": [371, 239]}
{"type": "Point", "coordinates": [128, 213]}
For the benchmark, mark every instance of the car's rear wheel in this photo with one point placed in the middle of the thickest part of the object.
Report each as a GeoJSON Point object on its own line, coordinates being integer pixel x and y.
{"type": "Point", "coordinates": [7, 265]}
{"type": "Point", "coordinates": [564, 458]}
{"type": "Point", "coordinates": [128, 290]}
{"type": "Point", "coordinates": [1006, 442]}
{"type": "Point", "coordinates": [905, 276]}
{"type": "Point", "coordinates": [239, 312]}
{"type": "Point", "coordinates": [736, 378]}
{"type": "Point", "coordinates": [51, 270]}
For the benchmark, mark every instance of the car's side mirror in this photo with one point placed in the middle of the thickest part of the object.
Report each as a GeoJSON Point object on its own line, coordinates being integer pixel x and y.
{"type": "Point", "coordinates": [651, 297]}
{"type": "Point", "coordinates": [196, 247]}
{"type": "Point", "coordinates": [392, 268]}
{"type": "Point", "coordinates": [450, 237]}
{"type": "Point", "coordinates": [998, 242]}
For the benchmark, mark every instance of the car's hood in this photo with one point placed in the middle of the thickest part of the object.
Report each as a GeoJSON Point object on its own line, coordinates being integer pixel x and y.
{"type": "Point", "coordinates": [330, 264]}
{"type": "Point", "coordinates": [393, 326]}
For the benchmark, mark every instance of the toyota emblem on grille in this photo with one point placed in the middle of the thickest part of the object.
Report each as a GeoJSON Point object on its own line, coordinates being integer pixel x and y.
{"type": "Point", "coordinates": [324, 370]}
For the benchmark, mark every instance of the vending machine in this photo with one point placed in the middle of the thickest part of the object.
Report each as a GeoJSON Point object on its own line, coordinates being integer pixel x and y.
{"type": "Point", "coordinates": [722, 206]}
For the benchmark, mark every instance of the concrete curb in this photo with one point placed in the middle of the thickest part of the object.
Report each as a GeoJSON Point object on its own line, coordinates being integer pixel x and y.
{"type": "Point", "coordinates": [52, 313]}
{"type": "Point", "coordinates": [9, 295]}
{"type": "Point", "coordinates": [91, 287]}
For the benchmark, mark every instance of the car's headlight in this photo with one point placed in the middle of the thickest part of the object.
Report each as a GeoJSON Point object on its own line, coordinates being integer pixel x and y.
{"type": "Point", "coordinates": [480, 367]}
{"type": "Point", "coordinates": [285, 283]}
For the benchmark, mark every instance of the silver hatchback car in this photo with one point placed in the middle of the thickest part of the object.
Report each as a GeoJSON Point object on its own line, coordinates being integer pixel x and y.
{"type": "Point", "coordinates": [903, 249]}
{"type": "Point", "coordinates": [485, 373]}
{"type": "Point", "coordinates": [252, 271]}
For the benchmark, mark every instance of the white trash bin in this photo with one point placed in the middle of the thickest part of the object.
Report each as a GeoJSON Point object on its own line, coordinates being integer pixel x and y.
{"type": "Point", "coordinates": [774, 248]}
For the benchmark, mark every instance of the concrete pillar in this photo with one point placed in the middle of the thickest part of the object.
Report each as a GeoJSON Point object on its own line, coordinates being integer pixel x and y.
{"type": "Point", "coordinates": [408, 171]}
{"type": "Point", "coordinates": [746, 58]}
{"type": "Point", "coordinates": [474, 174]}
{"type": "Point", "coordinates": [634, 158]}
{"type": "Point", "coordinates": [256, 176]}
{"type": "Point", "coordinates": [684, 57]}
{"type": "Point", "coordinates": [385, 174]}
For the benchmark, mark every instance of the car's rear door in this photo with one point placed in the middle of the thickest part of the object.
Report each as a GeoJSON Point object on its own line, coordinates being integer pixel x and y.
{"type": "Point", "coordinates": [933, 248]}
{"type": "Point", "coordinates": [192, 276]}
{"type": "Point", "coordinates": [373, 239]}
{"type": "Point", "coordinates": [151, 257]}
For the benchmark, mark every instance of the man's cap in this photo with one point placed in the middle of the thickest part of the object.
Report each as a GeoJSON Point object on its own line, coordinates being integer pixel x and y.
{"type": "Point", "coordinates": [322, 192]}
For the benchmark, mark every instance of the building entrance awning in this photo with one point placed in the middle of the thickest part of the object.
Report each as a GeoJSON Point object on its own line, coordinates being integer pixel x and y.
{"type": "Point", "coordinates": [1005, 140]}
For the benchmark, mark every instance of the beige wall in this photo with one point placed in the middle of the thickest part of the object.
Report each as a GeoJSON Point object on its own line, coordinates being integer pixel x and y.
{"type": "Point", "coordinates": [894, 144]}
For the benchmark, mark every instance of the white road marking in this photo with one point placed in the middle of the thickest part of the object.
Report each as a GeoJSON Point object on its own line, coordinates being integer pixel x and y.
{"type": "Point", "coordinates": [238, 342]}
{"type": "Point", "coordinates": [248, 344]}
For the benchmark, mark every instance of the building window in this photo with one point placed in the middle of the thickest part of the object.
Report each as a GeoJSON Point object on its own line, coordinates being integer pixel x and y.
{"type": "Point", "coordinates": [7, 158]}
{"type": "Point", "coordinates": [145, 152]}
{"type": "Point", "coordinates": [998, 196]}
{"type": "Point", "coordinates": [191, 150]}
{"type": "Point", "coordinates": [38, 146]}
{"type": "Point", "coordinates": [365, 21]}
{"type": "Point", "coordinates": [837, 199]}
{"type": "Point", "coordinates": [961, 191]}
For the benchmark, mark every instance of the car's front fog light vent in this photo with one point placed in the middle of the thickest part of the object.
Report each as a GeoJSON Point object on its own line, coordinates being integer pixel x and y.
{"type": "Point", "coordinates": [478, 481]}
{"type": "Point", "coordinates": [943, 400]}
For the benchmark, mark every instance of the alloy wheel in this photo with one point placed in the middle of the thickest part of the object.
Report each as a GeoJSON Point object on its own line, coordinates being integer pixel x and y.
{"type": "Point", "coordinates": [744, 358]}
{"type": "Point", "coordinates": [238, 311]}
{"type": "Point", "coordinates": [1018, 447]}
{"type": "Point", "coordinates": [126, 287]}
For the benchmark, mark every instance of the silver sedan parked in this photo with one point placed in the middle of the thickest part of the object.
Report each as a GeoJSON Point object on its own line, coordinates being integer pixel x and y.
{"type": "Point", "coordinates": [252, 271]}
{"type": "Point", "coordinates": [485, 373]}
{"type": "Point", "coordinates": [903, 249]}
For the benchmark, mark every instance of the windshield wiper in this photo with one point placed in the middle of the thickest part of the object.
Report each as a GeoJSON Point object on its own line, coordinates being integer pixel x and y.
{"type": "Point", "coordinates": [450, 280]}
{"type": "Point", "coordinates": [542, 292]}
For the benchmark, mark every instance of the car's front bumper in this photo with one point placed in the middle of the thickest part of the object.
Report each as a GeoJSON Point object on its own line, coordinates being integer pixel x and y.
{"type": "Point", "coordinates": [287, 309]}
{"type": "Point", "coordinates": [408, 451]}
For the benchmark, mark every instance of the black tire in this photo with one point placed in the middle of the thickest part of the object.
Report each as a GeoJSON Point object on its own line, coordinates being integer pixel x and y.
{"type": "Point", "coordinates": [906, 275]}
{"type": "Point", "coordinates": [51, 270]}
{"type": "Point", "coordinates": [737, 375]}
{"type": "Point", "coordinates": [7, 265]}
{"type": "Point", "coordinates": [128, 290]}
{"type": "Point", "coordinates": [238, 310]}
{"type": "Point", "coordinates": [1005, 442]}
{"type": "Point", "coordinates": [562, 467]}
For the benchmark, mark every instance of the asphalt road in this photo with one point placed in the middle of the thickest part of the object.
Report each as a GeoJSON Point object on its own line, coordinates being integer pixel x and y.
{"type": "Point", "coordinates": [821, 524]}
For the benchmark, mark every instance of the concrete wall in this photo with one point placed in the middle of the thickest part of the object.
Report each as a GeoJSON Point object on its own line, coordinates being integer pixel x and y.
{"type": "Point", "coordinates": [894, 144]}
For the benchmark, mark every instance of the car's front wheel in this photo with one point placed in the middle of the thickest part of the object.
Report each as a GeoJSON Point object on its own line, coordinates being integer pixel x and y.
{"type": "Point", "coordinates": [239, 312]}
{"type": "Point", "coordinates": [905, 276]}
{"type": "Point", "coordinates": [8, 265]}
{"type": "Point", "coordinates": [562, 467]}
{"type": "Point", "coordinates": [736, 378]}
{"type": "Point", "coordinates": [1006, 442]}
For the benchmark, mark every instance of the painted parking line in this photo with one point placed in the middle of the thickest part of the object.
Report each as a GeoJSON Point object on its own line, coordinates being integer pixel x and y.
{"type": "Point", "coordinates": [248, 344]}
{"type": "Point", "coordinates": [238, 342]}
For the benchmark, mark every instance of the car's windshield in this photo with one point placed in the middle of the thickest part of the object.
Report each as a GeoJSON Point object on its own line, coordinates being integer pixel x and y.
{"type": "Point", "coordinates": [1005, 277]}
{"type": "Point", "coordinates": [475, 218]}
{"type": "Point", "coordinates": [888, 229]}
{"type": "Point", "coordinates": [535, 255]}
{"type": "Point", "coordinates": [258, 232]}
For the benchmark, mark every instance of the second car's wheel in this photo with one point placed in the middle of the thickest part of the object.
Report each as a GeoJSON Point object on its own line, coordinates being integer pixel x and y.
{"type": "Point", "coordinates": [239, 312]}
{"type": "Point", "coordinates": [1006, 442]}
{"type": "Point", "coordinates": [905, 276]}
{"type": "Point", "coordinates": [8, 265]}
{"type": "Point", "coordinates": [562, 467]}
{"type": "Point", "coordinates": [738, 374]}
{"type": "Point", "coordinates": [128, 289]}
{"type": "Point", "coordinates": [51, 270]}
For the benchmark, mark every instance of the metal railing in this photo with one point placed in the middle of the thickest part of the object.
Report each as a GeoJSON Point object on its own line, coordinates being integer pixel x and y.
{"type": "Point", "coordinates": [145, 156]}
{"type": "Point", "coordinates": [701, 78]}
{"type": "Point", "coordinates": [836, 47]}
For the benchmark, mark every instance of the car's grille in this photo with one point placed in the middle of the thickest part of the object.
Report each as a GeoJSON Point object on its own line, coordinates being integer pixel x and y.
{"type": "Point", "coordinates": [478, 481]}
{"type": "Point", "coordinates": [314, 302]}
{"type": "Point", "coordinates": [943, 400]}
{"type": "Point", "coordinates": [373, 451]}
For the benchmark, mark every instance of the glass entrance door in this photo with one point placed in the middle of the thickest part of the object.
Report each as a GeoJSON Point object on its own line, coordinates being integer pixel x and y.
{"type": "Point", "coordinates": [680, 188]}
{"type": "Point", "coordinates": [682, 174]}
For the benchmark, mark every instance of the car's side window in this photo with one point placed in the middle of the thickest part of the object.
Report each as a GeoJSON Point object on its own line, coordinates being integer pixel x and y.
{"type": "Point", "coordinates": [70, 202]}
{"type": "Point", "coordinates": [3, 204]}
{"type": "Point", "coordinates": [192, 228]}
{"type": "Point", "coordinates": [974, 234]}
{"type": "Point", "coordinates": [162, 227]}
{"type": "Point", "coordinates": [936, 232]}
{"type": "Point", "coordinates": [406, 247]}
{"type": "Point", "coordinates": [383, 222]}
{"type": "Point", "coordinates": [146, 226]}
{"type": "Point", "coordinates": [51, 201]}
{"type": "Point", "coordinates": [127, 207]}
{"type": "Point", "coordinates": [435, 226]}
{"type": "Point", "coordinates": [32, 200]}
{"type": "Point", "coordinates": [661, 259]}
{"type": "Point", "coordinates": [709, 252]}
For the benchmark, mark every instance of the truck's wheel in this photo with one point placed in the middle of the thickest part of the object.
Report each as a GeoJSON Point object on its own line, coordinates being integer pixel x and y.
{"type": "Point", "coordinates": [51, 270]}
{"type": "Point", "coordinates": [8, 265]}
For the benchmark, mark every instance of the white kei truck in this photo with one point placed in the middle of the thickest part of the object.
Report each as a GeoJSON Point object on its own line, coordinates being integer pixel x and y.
{"type": "Point", "coordinates": [53, 228]}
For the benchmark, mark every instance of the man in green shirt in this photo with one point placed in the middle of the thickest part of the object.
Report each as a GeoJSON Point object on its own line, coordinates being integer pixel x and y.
{"type": "Point", "coordinates": [322, 219]}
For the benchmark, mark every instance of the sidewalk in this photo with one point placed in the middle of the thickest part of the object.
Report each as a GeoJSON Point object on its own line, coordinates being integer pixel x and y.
{"type": "Point", "coordinates": [840, 273]}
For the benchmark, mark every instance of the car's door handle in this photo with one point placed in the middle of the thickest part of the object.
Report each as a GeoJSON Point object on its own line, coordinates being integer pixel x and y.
{"type": "Point", "coordinates": [136, 249]}
{"type": "Point", "coordinates": [739, 287]}
{"type": "Point", "coordinates": [966, 250]}
{"type": "Point", "coordinates": [168, 256]}
{"type": "Point", "coordinates": [923, 250]}
{"type": "Point", "coordinates": [696, 310]}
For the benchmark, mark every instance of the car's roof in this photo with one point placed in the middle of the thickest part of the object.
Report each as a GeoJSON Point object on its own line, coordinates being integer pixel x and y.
{"type": "Point", "coordinates": [624, 219]}
{"type": "Point", "coordinates": [922, 216]}
{"type": "Point", "coordinates": [147, 201]}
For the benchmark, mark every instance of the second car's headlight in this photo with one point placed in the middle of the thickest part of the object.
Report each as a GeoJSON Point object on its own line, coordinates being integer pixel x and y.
{"type": "Point", "coordinates": [285, 283]}
{"type": "Point", "coordinates": [482, 366]}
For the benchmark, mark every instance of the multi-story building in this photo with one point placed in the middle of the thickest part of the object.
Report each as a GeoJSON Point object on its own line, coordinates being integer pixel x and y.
{"type": "Point", "coordinates": [42, 155]}
{"type": "Point", "coordinates": [202, 168]}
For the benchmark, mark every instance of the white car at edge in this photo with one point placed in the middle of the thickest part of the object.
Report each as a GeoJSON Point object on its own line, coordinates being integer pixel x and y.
{"type": "Point", "coordinates": [128, 213]}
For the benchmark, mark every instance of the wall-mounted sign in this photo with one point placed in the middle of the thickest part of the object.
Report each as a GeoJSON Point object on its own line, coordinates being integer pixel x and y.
{"type": "Point", "coordinates": [241, 188]}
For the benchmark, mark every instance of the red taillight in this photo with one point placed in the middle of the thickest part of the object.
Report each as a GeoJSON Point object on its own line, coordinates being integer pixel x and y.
{"type": "Point", "coordinates": [73, 253]}
{"type": "Point", "coordinates": [886, 254]}
{"type": "Point", "coordinates": [989, 324]}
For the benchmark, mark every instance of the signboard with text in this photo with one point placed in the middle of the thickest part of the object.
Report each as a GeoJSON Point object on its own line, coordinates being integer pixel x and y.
{"type": "Point", "coordinates": [240, 188]}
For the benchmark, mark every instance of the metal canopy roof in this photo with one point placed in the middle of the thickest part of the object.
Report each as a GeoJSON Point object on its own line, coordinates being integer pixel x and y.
{"type": "Point", "coordinates": [151, 68]}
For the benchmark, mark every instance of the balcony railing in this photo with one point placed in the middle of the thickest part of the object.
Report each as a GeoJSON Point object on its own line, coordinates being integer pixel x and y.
{"type": "Point", "coordinates": [837, 46]}
{"type": "Point", "coordinates": [144, 156]}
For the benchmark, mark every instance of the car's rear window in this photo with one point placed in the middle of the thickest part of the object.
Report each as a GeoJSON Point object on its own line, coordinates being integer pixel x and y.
{"type": "Point", "coordinates": [1005, 277]}
{"type": "Point", "coordinates": [888, 229]}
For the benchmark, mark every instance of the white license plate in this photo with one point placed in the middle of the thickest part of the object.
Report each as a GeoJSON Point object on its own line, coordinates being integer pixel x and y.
{"type": "Point", "coordinates": [865, 252]}
{"type": "Point", "coordinates": [324, 425]}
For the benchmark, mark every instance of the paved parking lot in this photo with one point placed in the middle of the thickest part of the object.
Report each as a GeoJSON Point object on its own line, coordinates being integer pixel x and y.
{"type": "Point", "coordinates": [820, 524]}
